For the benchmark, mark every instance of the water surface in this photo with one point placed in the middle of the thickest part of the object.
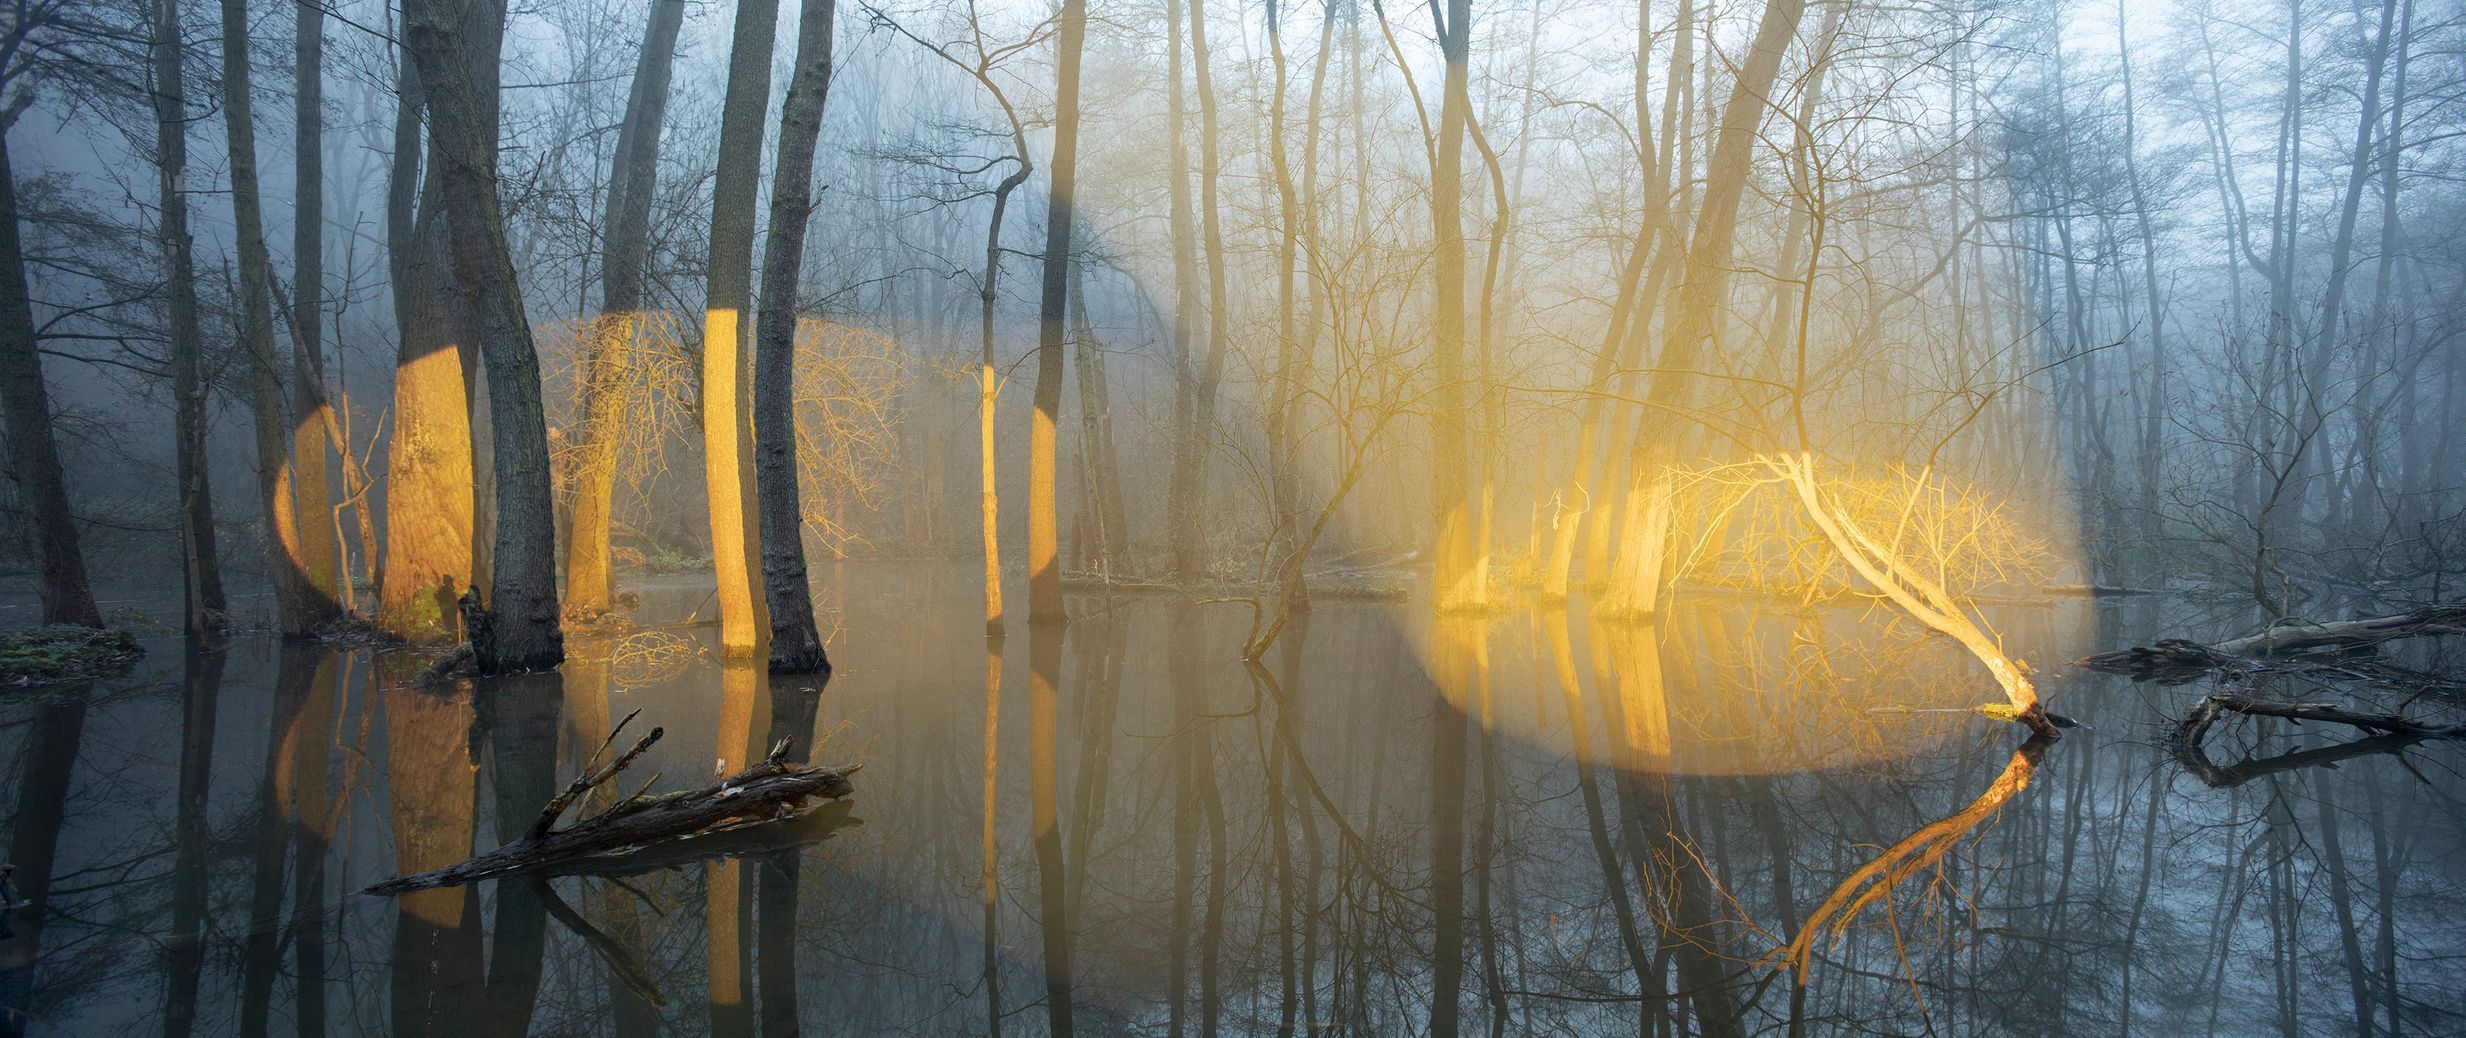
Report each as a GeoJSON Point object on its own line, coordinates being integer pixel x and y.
{"type": "Point", "coordinates": [1576, 828]}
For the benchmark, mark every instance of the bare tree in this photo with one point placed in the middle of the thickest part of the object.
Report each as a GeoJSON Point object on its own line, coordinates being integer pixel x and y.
{"type": "Point", "coordinates": [455, 44]}
{"type": "Point", "coordinates": [727, 433]}
{"type": "Point", "coordinates": [589, 581]}
{"type": "Point", "coordinates": [1044, 519]}
{"type": "Point", "coordinates": [795, 647]}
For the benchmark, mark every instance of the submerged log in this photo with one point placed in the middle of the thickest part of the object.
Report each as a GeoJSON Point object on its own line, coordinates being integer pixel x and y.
{"type": "Point", "coordinates": [2390, 733]}
{"type": "Point", "coordinates": [764, 795]}
{"type": "Point", "coordinates": [2174, 661]}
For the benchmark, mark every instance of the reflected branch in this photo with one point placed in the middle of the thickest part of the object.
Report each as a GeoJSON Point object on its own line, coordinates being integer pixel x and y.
{"type": "Point", "coordinates": [1875, 880]}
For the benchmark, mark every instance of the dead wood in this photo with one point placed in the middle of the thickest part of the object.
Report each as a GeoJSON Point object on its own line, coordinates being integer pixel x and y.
{"type": "Point", "coordinates": [2196, 760]}
{"type": "Point", "coordinates": [2174, 661]}
{"type": "Point", "coordinates": [2390, 733]}
{"type": "Point", "coordinates": [620, 838]}
{"type": "Point", "coordinates": [2196, 724]}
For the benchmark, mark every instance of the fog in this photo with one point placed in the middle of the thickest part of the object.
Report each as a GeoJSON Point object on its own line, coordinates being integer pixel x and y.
{"type": "Point", "coordinates": [504, 335]}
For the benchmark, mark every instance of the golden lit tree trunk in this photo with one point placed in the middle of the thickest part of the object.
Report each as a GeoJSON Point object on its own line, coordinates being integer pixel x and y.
{"type": "Point", "coordinates": [1582, 505]}
{"type": "Point", "coordinates": [1044, 519]}
{"type": "Point", "coordinates": [1702, 292]}
{"type": "Point", "coordinates": [456, 43]}
{"type": "Point", "coordinates": [989, 500]}
{"type": "Point", "coordinates": [590, 584]}
{"type": "Point", "coordinates": [727, 430]}
{"type": "Point", "coordinates": [311, 415]}
{"type": "Point", "coordinates": [1907, 586]}
{"type": "Point", "coordinates": [428, 460]}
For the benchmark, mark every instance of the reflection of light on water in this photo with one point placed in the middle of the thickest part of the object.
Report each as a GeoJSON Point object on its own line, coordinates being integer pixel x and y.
{"type": "Point", "coordinates": [1722, 684]}
{"type": "Point", "coordinates": [1876, 880]}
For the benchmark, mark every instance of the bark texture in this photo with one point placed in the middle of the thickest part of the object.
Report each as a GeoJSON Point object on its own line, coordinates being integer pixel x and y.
{"type": "Point", "coordinates": [303, 587]}
{"type": "Point", "coordinates": [428, 500]}
{"type": "Point", "coordinates": [727, 436]}
{"type": "Point", "coordinates": [455, 43]}
{"type": "Point", "coordinates": [796, 648]}
{"type": "Point", "coordinates": [1044, 519]}
{"type": "Point", "coordinates": [590, 585]}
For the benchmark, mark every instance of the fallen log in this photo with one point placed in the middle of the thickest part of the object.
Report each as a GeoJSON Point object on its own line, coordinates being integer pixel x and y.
{"type": "Point", "coordinates": [2389, 733]}
{"type": "Point", "coordinates": [2195, 725]}
{"type": "Point", "coordinates": [2174, 661]}
{"type": "Point", "coordinates": [764, 795]}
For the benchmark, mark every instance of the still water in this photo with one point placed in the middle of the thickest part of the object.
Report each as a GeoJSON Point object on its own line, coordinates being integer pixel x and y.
{"type": "Point", "coordinates": [1121, 828]}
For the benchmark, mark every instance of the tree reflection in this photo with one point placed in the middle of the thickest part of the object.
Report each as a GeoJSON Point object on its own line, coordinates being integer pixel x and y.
{"type": "Point", "coordinates": [1044, 674]}
{"type": "Point", "coordinates": [518, 725]}
{"type": "Point", "coordinates": [431, 785]}
{"type": "Point", "coordinates": [1913, 854]}
{"type": "Point", "coordinates": [184, 953]}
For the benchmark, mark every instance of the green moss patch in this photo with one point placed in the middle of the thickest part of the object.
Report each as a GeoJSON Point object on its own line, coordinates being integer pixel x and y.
{"type": "Point", "coordinates": [65, 652]}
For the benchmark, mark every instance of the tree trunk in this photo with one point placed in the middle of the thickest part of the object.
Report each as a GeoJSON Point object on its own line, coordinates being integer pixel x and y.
{"type": "Point", "coordinates": [1702, 292]}
{"type": "Point", "coordinates": [1219, 309]}
{"type": "Point", "coordinates": [1183, 523]}
{"type": "Point", "coordinates": [727, 438]}
{"type": "Point", "coordinates": [2153, 417]}
{"type": "Point", "coordinates": [428, 500]}
{"type": "Point", "coordinates": [204, 605]}
{"type": "Point", "coordinates": [1044, 521]}
{"type": "Point", "coordinates": [1453, 569]}
{"type": "Point", "coordinates": [795, 646]}
{"type": "Point", "coordinates": [988, 394]}
{"type": "Point", "coordinates": [590, 586]}
{"type": "Point", "coordinates": [303, 584]}
{"type": "Point", "coordinates": [311, 415]}
{"type": "Point", "coordinates": [455, 43]}
{"type": "Point", "coordinates": [1101, 471]}
{"type": "Point", "coordinates": [33, 456]}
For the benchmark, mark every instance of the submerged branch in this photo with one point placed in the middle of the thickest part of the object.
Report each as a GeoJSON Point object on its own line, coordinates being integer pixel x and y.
{"type": "Point", "coordinates": [757, 798]}
{"type": "Point", "coordinates": [2175, 661]}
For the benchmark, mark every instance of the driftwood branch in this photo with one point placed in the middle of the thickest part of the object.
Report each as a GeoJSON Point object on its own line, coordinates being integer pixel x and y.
{"type": "Point", "coordinates": [590, 778]}
{"type": "Point", "coordinates": [622, 837]}
{"type": "Point", "coordinates": [2174, 661]}
{"type": "Point", "coordinates": [2390, 733]}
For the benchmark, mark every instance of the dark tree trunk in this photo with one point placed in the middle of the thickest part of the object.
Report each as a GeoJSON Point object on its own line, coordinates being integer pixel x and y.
{"type": "Point", "coordinates": [455, 43]}
{"type": "Point", "coordinates": [1044, 520]}
{"type": "Point", "coordinates": [1453, 557]}
{"type": "Point", "coordinates": [32, 455]}
{"type": "Point", "coordinates": [204, 604]}
{"type": "Point", "coordinates": [301, 603]}
{"type": "Point", "coordinates": [795, 646]}
{"type": "Point", "coordinates": [1182, 519]}
{"type": "Point", "coordinates": [312, 416]}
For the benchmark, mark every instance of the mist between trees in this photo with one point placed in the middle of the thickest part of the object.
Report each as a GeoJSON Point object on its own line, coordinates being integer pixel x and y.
{"type": "Point", "coordinates": [1933, 302]}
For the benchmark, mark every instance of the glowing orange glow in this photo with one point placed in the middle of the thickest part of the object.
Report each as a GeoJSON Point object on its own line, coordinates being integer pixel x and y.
{"type": "Point", "coordinates": [1874, 881]}
{"type": "Point", "coordinates": [727, 478]}
{"type": "Point", "coordinates": [428, 498]}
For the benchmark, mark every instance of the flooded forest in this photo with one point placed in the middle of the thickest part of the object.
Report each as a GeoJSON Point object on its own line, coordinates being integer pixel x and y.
{"type": "Point", "coordinates": [1233, 517]}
